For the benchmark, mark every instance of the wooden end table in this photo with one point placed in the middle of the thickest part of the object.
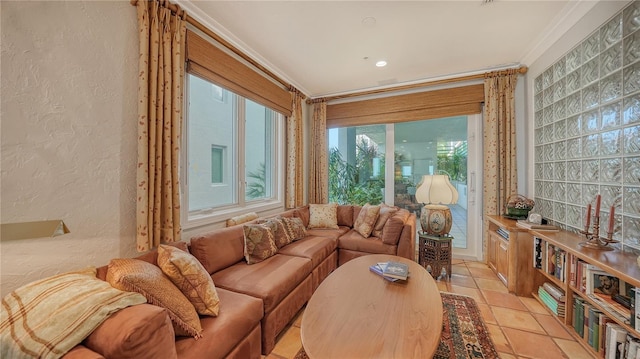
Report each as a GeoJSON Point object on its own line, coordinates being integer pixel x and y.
{"type": "Point", "coordinates": [435, 252]}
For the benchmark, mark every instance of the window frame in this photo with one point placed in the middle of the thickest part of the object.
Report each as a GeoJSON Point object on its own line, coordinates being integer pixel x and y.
{"type": "Point", "coordinates": [214, 215]}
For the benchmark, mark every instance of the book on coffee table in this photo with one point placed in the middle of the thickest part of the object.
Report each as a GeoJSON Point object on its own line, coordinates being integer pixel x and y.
{"type": "Point", "coordinates": [396, 270]}
{"type": "Point", "coordinates": [378, 269]}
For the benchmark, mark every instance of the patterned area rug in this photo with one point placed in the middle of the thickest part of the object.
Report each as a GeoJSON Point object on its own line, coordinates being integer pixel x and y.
{"type": "Point", "coordinates": [464, 334]}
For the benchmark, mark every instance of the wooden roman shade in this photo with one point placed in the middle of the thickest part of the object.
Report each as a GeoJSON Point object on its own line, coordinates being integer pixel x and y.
{"type": "Point", "coordinates": [209, 62]}
{"type": "Point", "coordinates": [465, 100]}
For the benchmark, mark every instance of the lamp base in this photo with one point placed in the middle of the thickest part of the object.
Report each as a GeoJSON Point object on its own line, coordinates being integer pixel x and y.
{"type": "Point", "coordinates": [436, 219]}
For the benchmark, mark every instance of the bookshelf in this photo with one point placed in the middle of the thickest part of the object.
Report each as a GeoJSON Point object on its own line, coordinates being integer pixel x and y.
{"type": "Point", "coordinates": [588, 277]}
{"type": "Point", "coordinates": [510, 249]}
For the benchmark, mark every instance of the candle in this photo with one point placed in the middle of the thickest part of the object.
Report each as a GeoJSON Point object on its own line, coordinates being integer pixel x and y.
{"type": "Point", "coordinates": [586, 226]}
{"type": "Point", "coordinates": [597, 206]}
{"type": "Point", "coordinates": [611, 220]}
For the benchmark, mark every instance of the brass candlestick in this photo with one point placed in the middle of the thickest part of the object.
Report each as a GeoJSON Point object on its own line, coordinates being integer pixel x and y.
{"type": "Point", "coordinates": [594, 240]}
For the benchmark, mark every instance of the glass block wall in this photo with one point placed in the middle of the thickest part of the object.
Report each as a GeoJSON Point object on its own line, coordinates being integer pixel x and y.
{"type": "Point", "coordinates": [587, 130]}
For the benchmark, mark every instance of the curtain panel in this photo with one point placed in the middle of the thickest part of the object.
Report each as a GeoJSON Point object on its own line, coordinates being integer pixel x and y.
{"type": "Point", "coordinates": [319, 162]}
{"type": "Point", "coordinates": [160, 99]}
{"type": "Point", "coordinates": [294, 178]}
{"type": "Point", "coordinates": [500, 172]}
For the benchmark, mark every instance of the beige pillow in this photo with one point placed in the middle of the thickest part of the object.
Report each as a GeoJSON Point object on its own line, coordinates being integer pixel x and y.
{"type": "Point", "coordinates": [366, 220]}
{"type": "Point", "coordinates": [243, 218]}
{"type": "Point", "coordinates": [385, 213]}
{"type": "Point", "coordinates": [323, 216]}
{"type": "Point", "coordinates": [259, 241]}
{"type": "Point", "coordinates": [134, 275]}
{"type": "Point", "coordinates": [188, 274]}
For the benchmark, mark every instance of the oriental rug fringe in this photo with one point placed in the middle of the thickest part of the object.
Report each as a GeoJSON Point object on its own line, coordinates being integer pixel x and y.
{"type": "Point", "coordinates": [464, 333]}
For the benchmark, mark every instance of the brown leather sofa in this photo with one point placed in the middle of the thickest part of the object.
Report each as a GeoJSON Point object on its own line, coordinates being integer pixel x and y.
{"type": "Point", "coordinates": [257, 301]}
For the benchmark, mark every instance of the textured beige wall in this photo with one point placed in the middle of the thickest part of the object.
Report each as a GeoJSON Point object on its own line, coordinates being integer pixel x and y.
{"type": "Point", "coordinates": [68, 133]}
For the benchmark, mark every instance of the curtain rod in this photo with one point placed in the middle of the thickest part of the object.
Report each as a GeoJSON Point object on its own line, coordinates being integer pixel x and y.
{"type": "Point", "coordinates": [176, 9]}
{"type": "Point", "coordinates": [521, 70]}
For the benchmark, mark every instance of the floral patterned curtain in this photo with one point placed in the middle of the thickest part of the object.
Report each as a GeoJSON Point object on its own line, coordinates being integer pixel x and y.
{"type": "Point", "coordinates": [294, 183]}
{"type": "Point", "coordinates": [500, 173]}
{"type": "Point", "coordinates": [319, 162]}
{"type": "Point", "coordinates": [160, 97]}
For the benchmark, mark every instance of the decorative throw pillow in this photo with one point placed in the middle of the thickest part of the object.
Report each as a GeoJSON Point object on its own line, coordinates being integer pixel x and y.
{"type": "Point", "coordinates": [259, 241]}
{"type": "Point", "coordinates": [188, 274]}
{"type": "Point", "coordinates": [147, 279]}
{"type": "Point", "coordinates": [385, 213]}
{"type": "Point", "coordinates": [366, 220]}
{"type": "Point", "coordinates": [323, 216]}
{"type": "Point", "coordinates": [288, 229]}
{"type": "Point", "coordinates": [243, 218]}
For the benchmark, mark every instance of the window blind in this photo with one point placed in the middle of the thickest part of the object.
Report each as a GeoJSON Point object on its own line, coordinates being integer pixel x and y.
{"type": "Point", "coordinates": [211, 63]}
{"type": "Point", "coordinates": [464, 100]}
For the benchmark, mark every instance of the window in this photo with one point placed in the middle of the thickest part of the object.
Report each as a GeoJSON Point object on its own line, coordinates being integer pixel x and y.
{"type": "Point", "coordinates": [232, 153]}
{"type": "Point", "coordinates": [217, 164]}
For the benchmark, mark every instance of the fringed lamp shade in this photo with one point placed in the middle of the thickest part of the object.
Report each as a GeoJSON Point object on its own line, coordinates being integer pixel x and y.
{"type": "Point", "coordinates": [433, 191]}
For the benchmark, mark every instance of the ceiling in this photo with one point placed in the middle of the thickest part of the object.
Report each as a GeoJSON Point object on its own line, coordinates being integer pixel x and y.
{"type": "Point", "coordinates": [331, 47]}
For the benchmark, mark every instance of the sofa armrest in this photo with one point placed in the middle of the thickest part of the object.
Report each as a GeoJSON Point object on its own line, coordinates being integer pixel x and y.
{"type": "Point", "coordinates": [139, 331]}
{"type": "Point", "coordinates": [82, 352]}
{"type": "Point", "coordinates": [407, 241]}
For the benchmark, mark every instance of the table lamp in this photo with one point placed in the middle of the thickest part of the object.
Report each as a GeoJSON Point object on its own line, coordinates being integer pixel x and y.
{"type": "Point", "coordinates": [434, 191]}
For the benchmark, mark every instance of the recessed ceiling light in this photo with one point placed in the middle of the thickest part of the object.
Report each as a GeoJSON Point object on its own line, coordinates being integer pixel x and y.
{"type": "Point", "coordinates": [381, 63]}
{"type": "Point", "coordinates": [369, 21]}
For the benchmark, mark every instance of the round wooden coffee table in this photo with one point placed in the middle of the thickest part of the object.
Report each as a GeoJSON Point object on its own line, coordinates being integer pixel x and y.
{"type": "Point", "coordinates": [356, 313]}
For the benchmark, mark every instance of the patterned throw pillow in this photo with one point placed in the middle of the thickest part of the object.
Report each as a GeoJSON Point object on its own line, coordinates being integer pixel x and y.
{"type": "Point", "coordinates": [259, 241]}
{"type": "Point", "coordinates": [385, 213]}
{"type": "Point", "coordinates": [188, 274]}
{"type": "Point", "coordinates": [134, 275]}
{"type": "Point", "coordinates": [287, 230]}
{"type": "Point", "coordinates": [323, 216]}
{"type": "Point", "coordinates": [366, 220]}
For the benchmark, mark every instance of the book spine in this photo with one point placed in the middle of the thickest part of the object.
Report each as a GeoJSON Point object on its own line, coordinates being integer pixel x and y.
{"type": "Point", "coordinates": [555, 292]}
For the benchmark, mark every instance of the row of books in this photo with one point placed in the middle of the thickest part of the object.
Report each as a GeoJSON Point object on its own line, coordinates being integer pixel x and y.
{"type": "Point", "coordinates": [616, 297]}
{"type": "Point", "coordinates": [549, 258]}
{"type": "Point", "coordinates": [391, 271]}
{"type": "Point", "coordinates": [609, 339]}
{"type": "Point", "coordinates": [555, 302]}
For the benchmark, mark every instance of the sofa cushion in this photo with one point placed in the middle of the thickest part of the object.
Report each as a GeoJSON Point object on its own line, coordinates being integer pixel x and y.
{"type": "Point", "coordinates": [393, 228]}
{"type": "Point", "coordinates": [329, 233]}
{"type": "Point", "coordinates": [220, 248]}
{"type": "Point", "coordinates": [147, 279]}
{"type": "Point", "coordinates": [271, 280]}
{"type": "Point", "coordinates": [366, 220]}
{"type": "Point", "coordinates": [259, 241]}
{"type": "Point", "coordinates": [385, 213]}
{"type": "Point", "coordinates": [243, 218]}
{"type": "Point", "coordinates": [345, 215]}
{"type": "Point", "coordinates": [356, 242]}
{"type": "Point", "coordinates": [323, 216]}
{"type": "Point", "coordinates": [303, 214]}
{"type": "Point", "coordinates": [141, 331]}
{"type": "Point", "coordinates": [82, 352]}
{"type": "Point", "coordinates": [312, 247]}
{"type": "Point", "coordinates": [239, 315]}
{"type": "Point", "coordinates": [190, 277]}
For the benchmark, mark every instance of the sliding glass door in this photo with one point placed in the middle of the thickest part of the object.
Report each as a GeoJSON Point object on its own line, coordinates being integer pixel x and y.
{"type": "Point", "coordinates": [385, 163]}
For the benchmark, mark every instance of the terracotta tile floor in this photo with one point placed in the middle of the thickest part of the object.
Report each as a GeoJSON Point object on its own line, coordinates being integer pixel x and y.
{"type": "Point", "coordinates": [520, 327]}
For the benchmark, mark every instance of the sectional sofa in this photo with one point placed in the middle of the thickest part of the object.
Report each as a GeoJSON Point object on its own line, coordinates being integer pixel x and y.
{"type": "Point", "coordinates": [258, 300]}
